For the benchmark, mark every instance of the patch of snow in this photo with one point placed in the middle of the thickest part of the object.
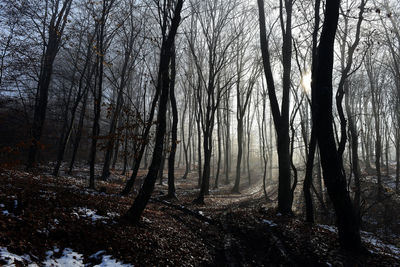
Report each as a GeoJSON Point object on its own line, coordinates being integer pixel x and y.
{"type": "Point", "coordinates": [201, 213]}
{"type": "Point", "coordinates": [5, 212]}
{"type": "Point", "coordinates": [146, 219]}
{"type": "Point", "coordinates": [68, 258]}
{"type": "Point", "coordinates": [90, 214]}
{"type": "Point", "coordinates": [74, 213]}
{"type": "Point", "coordinates": [93, 193]}
{"type": "Point", "coordinates": [2, 205]}
{"type": "Point", "coordinates": [43, 231]}
{"type": "Point", "coordinates": [110, 262]}
{"type": "Point", "coordinates": [330, 228]}
{"type": "Point", "coordinates": [113, 214]}
{"type": "Point", "coordinates": [370, 220]}
{"type": "Point", "coordinates": [97, 255]}
{"type": "Point", "coordinates": [270, 223]}
{"type": "Point", "coordinates": [371, 239]}
{"type": "Point", "coordinates": [106, 260]}
{"type": "Point", "coordinates": [12, 259]}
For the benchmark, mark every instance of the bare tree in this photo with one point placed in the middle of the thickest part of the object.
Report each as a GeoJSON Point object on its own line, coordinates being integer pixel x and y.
{"type": "Point", "coordinates": [280, 114]}
{"type": "Point", "coordinates": [334, 178]}
{"type": "Point", "coordinates": [51, 34]}
{"type": "Point", "coordinates": [217, 46]}
{"type": "Point", "coordinates": [136, 210]}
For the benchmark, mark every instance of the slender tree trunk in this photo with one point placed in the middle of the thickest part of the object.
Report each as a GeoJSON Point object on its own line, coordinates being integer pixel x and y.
{"type": "Point", "coordinates": [143, 144]}
{"type": "Point", "coordinates": [354, 152]}
{"type": "Point", "coordinates": [96, 125]}
{"type": "Point", "coordinates": [174, 131]}
{"type": "Point", "coordinates": [98, 92]}
{"type": "Point", "coordinates": [120, 100]}
{"type": "Point", "coordinates": [387, 151]}
{"type": "Point", "coordinates": [377, 118]}
{"type": "Point", "coordinates": [199, 150]}
{"type": "Point", "coordinates": [227, 156]}
{"type": "Point", "coordinates": [235, 188]}
{"type": "Point", "coordinates": [205, 183]}
{"type": "Point", "coordinates": [184, 145]}
{"type": "Point", "coordinates": [125, 162]}
{"type": "Point", "coordinates": [136, 210]}
{"type": "Point", "coordinates": [308, 178]}
{"type": "Point", "coordinates": [271, 154]}
{"type": "Point", "coordinates": [79, 132]}
{"type": "Point", "coordinates": [65, 132]}
{"type": "Point", "coordinates": [219, 148]}
{"type": "Point", "coordinates": [116, 149]}
{"type": "Point", "coordinates": [162, 166]}
{"type": "Point", "coordinates": [250, 123]}
{"type": "Point", "coordinates": [397, 160]}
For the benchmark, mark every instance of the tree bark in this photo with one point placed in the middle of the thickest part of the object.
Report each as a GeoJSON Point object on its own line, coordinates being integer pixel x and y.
{"type": "Point", "coordinates": [335, 181]}
{"type": "Point", "coordinates": [98, 88]}
{"type": "Point", "coordinates": [136, 210]}
{"type": "Point", "coordinates": [174, 131]}
{"type": "Point", "coordinates": [56, 28]}
{"type": "Point", "coordinates": [79, 132]}
{"type": "Point", "coordinates": [219, 148]}
{"type": "Point", "coordinates": [281, 117]}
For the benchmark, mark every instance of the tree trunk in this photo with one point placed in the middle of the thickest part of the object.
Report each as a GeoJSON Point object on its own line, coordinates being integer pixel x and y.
{"type": "Point", "coordinates": [397, 160]}
{"type": "Point", "coordinates": [227, 156]}
{"type": "Point", "coordinates": [174, 131]}
{"type": "Point", "coordinates": [199, 163]}
{"type": "Point", "coordinates": [136, 210]}
{"type": "Point", "coordinates": [125, 163]}
{"type": "Point", "coordinates": [354, 152]}
{"type": "Point", "coordinates": [219, 148]}
{"type": "Point", "coordinates": [56, 28]}
{"type": "Point", "coordinates": [205, 183]}
{"type": "Point", "coordinates": [335, 181]}
{"type": "Point", "coordinates": [235, 188]}
{"type": "Point", "coordinates": [98, 90]}
{"type": "Point", "coordinates": [309, 177]}
{"type": "Point", "coordinates": [281, 117]}
{"type": "Point", "coordinates": [79, 132]}
{"type": "Point", "coordinates": [116, 149]}
{"type": "Point", "coordinates": [162, 166]}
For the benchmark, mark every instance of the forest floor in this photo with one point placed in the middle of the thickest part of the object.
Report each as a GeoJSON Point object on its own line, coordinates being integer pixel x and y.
{"type": "Point", "coordinates": [48, 221]}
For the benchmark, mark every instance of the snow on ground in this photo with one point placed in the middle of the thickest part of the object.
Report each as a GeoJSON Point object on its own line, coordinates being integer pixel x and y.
{"type": "Point", "coordinates": [92, 215]}
{"type": "Point", "coordinates": [67, 258]}
{"type": "Point", "coordinates": [330, 228]}
{"type": "Point", "coordinates": [389, 182]}
{"type": "Point", "coordinates": [378, 244]}
{"type": "Point", "coordinates": [270, 223]}
{"type": "Point", "coordinates": [106, 260]}
{"type": "Point", "coordinates": [11, 259]}
{"type": "Point", "coordinates": [89, 214]}
{"type": "Point", "coordinates": [370, 238]}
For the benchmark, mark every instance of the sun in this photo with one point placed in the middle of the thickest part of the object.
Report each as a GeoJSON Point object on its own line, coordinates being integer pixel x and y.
{"type": "Point", "coordinates": [305, 81]}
